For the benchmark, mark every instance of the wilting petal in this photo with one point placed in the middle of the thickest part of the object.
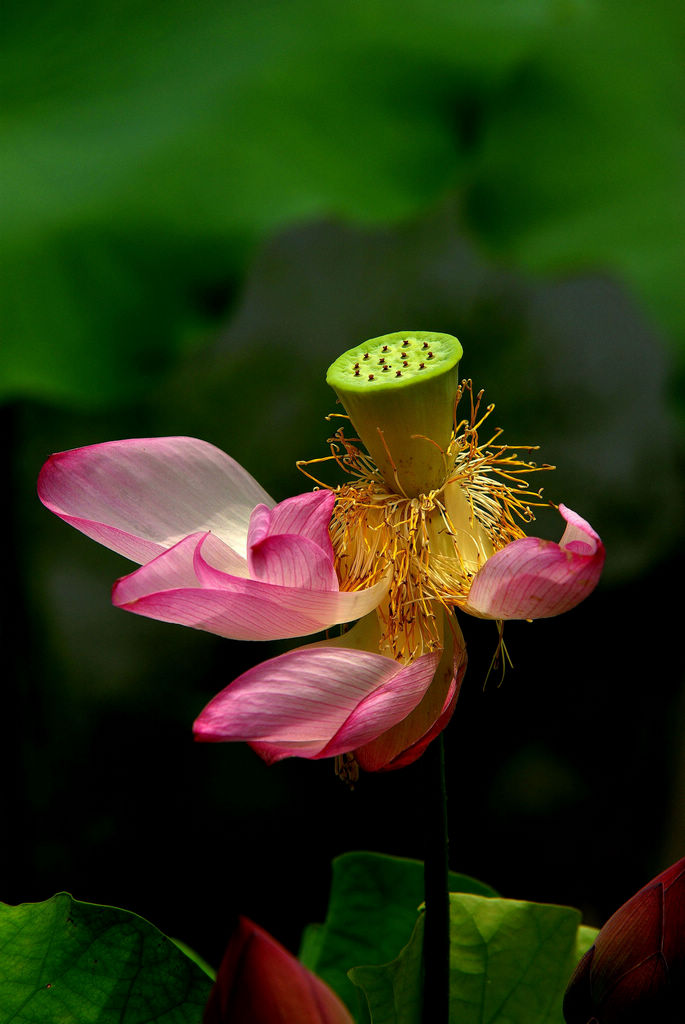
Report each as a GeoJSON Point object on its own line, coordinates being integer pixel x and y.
{"type": "Point", "coordinates": [414, 752]}
{"type": "Point", "coordinates": [316, 701]}
{"type": "Point", "coordinates": [290, 545]}
{"type": "Point", "coordinates": [142, 496]}
{"type": "Point", "coordinates": [406, 741]}
{"type": "Point", "coordinates": [392, 702]}
{"type": "Point", "coordinates": [181, 586]}
{"type": "Point", "coordinates": [535, 579]}
{"type": "Point", "coordinates": [260, 982]}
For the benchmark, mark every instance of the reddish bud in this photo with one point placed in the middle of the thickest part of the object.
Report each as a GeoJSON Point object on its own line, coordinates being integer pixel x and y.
{"type": "Point", "coordinates": [260, 982]}
{"type": "Point", "coordinates": [635, 972]}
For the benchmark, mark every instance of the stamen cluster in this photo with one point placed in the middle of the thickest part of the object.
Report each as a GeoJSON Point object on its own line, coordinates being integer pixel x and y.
{"type": "Point", "coordinates": [431, 545]}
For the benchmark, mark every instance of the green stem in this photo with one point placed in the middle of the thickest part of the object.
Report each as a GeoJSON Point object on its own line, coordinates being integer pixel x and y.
{"type": "Point", "coordinates": [436, 940]}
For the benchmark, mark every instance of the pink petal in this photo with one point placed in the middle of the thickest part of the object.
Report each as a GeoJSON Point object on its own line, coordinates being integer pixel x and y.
{"type": "Point", "coordinates": [405, 743]}
{"type": "Point", "coordinates": [293, 562]}
{"type": "Point", "coordinates": [534, 579]}
{"type": "Point", "coordinates": [181, 586]}
{"type": "Point", "coordinates": [391, 703]}
{"type": "Point", "coordinates": [414, 752]}
{"type": "Point", "coordinates": [290, 544]}
{"type": "Point", "coordinates": [260, 982]}
{"type": "Point", "coordinates": [315, 701]}
{"type": "Point", "coordinates": [210, 551]}
{"type": "Point", "coordinates": [141, 496]}
{"type": "Point", "coordinates": [306, 515]}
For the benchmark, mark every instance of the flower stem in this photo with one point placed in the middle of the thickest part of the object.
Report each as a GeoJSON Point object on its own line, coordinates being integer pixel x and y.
{"type": "Point", "coordinates": [436, 939]}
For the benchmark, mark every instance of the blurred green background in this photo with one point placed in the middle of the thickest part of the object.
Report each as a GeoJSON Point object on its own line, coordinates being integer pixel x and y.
{"type": "Point", "coordinates": [204, 204]}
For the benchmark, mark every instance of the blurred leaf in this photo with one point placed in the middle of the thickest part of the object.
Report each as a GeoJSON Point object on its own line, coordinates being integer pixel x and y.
{"type": "Point", "coordinates": [372, 910]}
{"type": "Point", "coordinates": [583, 149]}
{"type": "Point", "coordinates": [510, 963]}
{"type": "Point", "coordinates": [65, 960]}
{"type": "Point", "coordinates": [147, 146]}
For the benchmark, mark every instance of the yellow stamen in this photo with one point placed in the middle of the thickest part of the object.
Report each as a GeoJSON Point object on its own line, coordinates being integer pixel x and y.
{"type": "Point", "coordinates": [434, 543]}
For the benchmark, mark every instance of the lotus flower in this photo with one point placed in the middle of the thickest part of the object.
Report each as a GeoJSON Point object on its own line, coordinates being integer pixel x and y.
{"type": "Point", "coordinates": [260, 982]}
{"type": "Point", "coordinates": [635, 971]}
{"type": "Point", "coordinates": [408, 540]}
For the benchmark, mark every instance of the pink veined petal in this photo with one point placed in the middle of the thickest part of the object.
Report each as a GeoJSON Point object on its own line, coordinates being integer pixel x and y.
{"type": "Point", "coordinates": [181, 586]}
{"type": "Point", "coordinates": [357, 737]}
{"type": "Point", "coordinates": [315, 701]}
{"type": "Point", "coordinates": [277, 552]}
{"type": "Point", "coordinates": [409, 738]}
{"type": "Point", "coordinates": [293, 562]}
{"type": "Point", "coordinates": [533, 578]}
{"type": "Point", "coordinates": [386, 706]}
{"type": "Point", "coordinates": [169, 571]}
{"type": "Point", "coordinates": [221, 557]}
{"type": "Point", "coordinates": [143, 495]}
{"type": "Point", "coordinates": [306, 515]}
{"type": "Point", "coordinates": [414, 752]}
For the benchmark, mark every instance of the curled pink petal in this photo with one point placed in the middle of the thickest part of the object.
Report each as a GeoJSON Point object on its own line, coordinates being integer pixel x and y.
{"type": "Point", "coordinates": [210, 550]}
{"type": "Point", "coordinates": [306, 515]}
{"type": "Point", "coordinates": [406, 741]}
{"type": "Point", "coordinates": [414, 752]}
{"type": "Point", "coordinates": [181, 586]}
{"type": "Point", "coordinates": [315, 701]}
{"type": "Point", "coordinates": [388, 704]}
{"type": "Point", "coordinates": [534, 579]}
{"type": "Point", "coordinates": [293, 562]}
{"type": "Point", "coordinates": [143, 495]}
{"type": "Point", "coordinates": [290, 544]}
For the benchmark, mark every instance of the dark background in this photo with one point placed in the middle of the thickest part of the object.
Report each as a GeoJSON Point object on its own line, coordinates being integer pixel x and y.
{"type": "Point", "coordinates": [204, 209]}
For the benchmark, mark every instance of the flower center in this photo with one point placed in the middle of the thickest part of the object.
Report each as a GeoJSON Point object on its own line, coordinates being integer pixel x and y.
{"type": "Point", "coordinates": [432, 545]}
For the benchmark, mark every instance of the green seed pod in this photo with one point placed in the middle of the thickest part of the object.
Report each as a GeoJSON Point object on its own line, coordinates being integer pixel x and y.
{"type": "Point", "coordinates": [399, 390]}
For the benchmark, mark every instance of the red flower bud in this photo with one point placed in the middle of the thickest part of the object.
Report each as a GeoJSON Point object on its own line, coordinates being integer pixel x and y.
{"type": "Point", "coordinates": [635, 972]}
{"type": "Point", "coordinates": [260, 982]}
